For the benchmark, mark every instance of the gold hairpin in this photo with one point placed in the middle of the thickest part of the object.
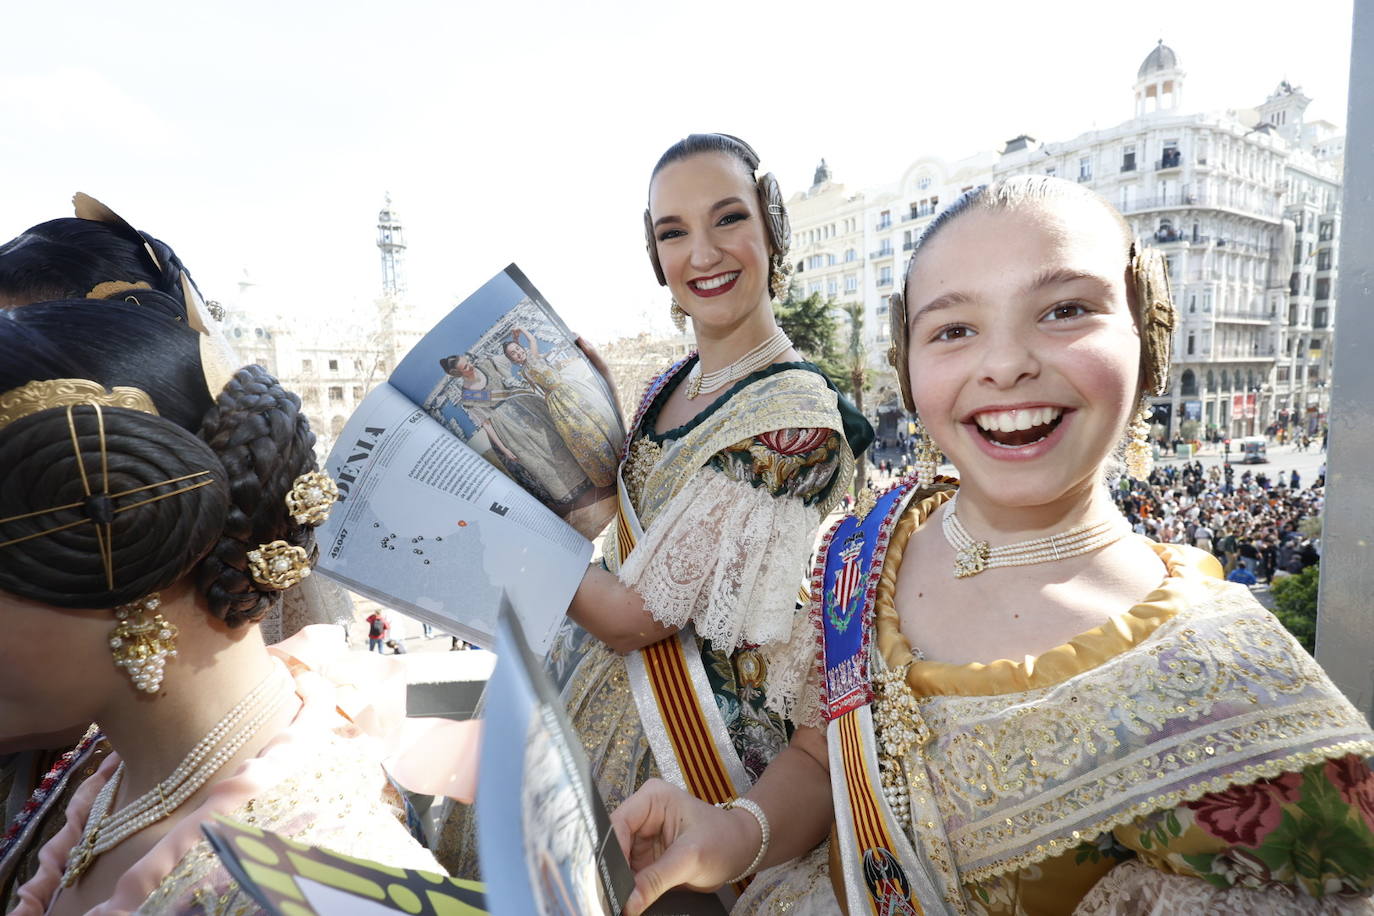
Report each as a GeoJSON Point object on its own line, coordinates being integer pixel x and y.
{"type": "Point", "coordinates": [65, 392]}
{"type": "Point", "coordinates": [310, 498]}
{"type": "Point", "coordinates": [99, 507]}
{"type": "Point", "coordinates": [278, 565]}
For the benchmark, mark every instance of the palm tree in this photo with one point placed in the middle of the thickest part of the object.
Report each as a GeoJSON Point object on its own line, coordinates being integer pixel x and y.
{"type": "Point", "coordinates": [858, 375]}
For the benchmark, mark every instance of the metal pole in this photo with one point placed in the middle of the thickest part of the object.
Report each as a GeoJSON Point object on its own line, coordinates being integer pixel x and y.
{"type": "Point", "coordinates": [1345, 616]}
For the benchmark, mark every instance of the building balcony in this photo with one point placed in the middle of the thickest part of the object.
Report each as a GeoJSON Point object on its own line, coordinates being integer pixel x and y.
{"type": "Point", "coordinates": [887, 224]}
{"type": "Point", "coordinates": [1128, 165]}
{"type": "Point", "coordinates": [1172, 159]}
{"type": "Point", "coordinates": [908, 246]}
{"type": "Point", "coordinates": [1083, 179]}
{"type": "Point", "coordinates": [882, 253]}
{"type": "Point", "coordinates": [1194, 199]}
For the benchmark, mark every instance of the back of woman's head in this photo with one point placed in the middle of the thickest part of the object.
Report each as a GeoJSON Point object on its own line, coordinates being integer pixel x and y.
{"type": "Point", "coordinates": [102, 505]}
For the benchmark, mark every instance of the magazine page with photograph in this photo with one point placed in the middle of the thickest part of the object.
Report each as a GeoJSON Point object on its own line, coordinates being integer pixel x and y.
{"type": "Point", "coordinates": [481, 466]}
{"type": "Point", "coordinates": [503, 373]}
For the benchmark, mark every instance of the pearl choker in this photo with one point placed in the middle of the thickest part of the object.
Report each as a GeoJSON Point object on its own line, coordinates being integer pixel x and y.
{"type": "Point", "coordinates": [106, 830]}
{"type": "Point", "coordinates": [752, 361]}
{"type": "Point", "coordinates": [972, 557]}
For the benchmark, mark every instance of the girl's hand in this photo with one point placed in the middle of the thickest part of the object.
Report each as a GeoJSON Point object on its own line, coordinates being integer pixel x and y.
{"type": "Point", "coordinates": [672, 839]}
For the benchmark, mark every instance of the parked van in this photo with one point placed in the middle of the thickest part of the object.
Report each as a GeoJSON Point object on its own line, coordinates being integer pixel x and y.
{"type": "Point", "coordinates": [1254, 450]}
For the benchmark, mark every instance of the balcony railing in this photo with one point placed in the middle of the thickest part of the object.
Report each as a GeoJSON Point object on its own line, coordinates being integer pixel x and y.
{"type": "Point", "coordinates": [1171, 159]}
{"type": "Point", "coordinates": [884, 281]}
{"type": "Point", "coordinates": [884, 224]}
{"type": "Point", "coordinates": [1190, 198]}
{"type": "Point", "coordinates": [882, 253]}
{"type": "Point", "coordinates": [1128, 165]}
{"type": "Point", "coordinates": [908, 246]}
{"type": "Point", "coordinates": [1082, 177]}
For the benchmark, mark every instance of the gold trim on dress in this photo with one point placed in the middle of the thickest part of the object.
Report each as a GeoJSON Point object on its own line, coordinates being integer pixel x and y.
{"type": "Point", "coordinates": [64, 392]}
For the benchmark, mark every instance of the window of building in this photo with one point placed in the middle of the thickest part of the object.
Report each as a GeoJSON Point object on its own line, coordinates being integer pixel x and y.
{"type": "Point", "coordinates": [1319, 317]}
{"type": "Point", "coordinates": [851, 283]}
{"type": "Point", "coordinates": [1085, 168]}
{"type": "Point", "coordinates": [1327, 230]}
{"type": "Point", "coordinates": [333, 365]}
{"type": "Point", "coordinates": [831, 287]}
{"type": "Point", "coordinates": [850, 254]}
{"type": "Point", "coordinates": [336, 392]}
{"type": "Point", "coordinates": [813, 288]}
{"type": "Point", "coordinates": [923, 182]}
{"type": "Point", "coordinates": [1168, 155]}
{"type": "Point", "coordinates": [307, 365]}
{"type": "Point", "coordinates": [1050, 170]}
{"type": "Point", "coordinates": [885, 276]}
{"type": "Point", "coordinates": [1191, 350]}
{"type": "Point", "coordinates": [357, 392]}
{"type": "Point", "coordinates": [1324, 259]}
{"type": "Point", "coordinates": [358, 366]}
{"type": "Point", "coordinates": [1324, 288]}
{"type": "Point", "coordinates": [884, 219]}
{"type": "Point", "coordinates": [1128, 158]}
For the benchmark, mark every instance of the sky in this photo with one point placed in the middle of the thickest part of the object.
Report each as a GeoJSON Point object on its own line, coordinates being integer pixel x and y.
{"type": "Point", "coordinates": [260, 138]}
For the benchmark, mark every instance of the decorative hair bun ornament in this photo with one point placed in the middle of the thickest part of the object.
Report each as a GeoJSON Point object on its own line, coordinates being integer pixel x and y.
{"type": "Point", "coordinates": [278, 565]}
{"type": "Point", "coordinates": [142, 642]}
{"type": "Point", "coordinates": [311, 497]}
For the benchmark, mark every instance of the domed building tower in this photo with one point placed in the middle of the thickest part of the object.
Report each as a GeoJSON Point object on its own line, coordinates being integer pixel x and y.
{"type": "Point", "coordinates": [1159, 82]}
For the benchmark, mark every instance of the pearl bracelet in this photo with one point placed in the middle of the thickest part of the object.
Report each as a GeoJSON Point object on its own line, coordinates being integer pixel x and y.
{"type": "Point", "coordinates": [754, 809]}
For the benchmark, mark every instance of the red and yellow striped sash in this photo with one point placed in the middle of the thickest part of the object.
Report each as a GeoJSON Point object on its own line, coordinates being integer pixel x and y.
{"type": "Point", "coordinates": [870, 828]}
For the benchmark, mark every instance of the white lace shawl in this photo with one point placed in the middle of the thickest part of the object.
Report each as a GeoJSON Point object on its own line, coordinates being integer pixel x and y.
{"type": "Point", "coordinates": [730, 558]}
{"type": "Point", "coordinates": [1137, 889]}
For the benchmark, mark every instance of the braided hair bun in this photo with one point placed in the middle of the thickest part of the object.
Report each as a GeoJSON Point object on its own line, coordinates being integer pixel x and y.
{"type": "Point", "coordinates": [150, 546]}
{"type": "Point", "coordinates": [264, 443]}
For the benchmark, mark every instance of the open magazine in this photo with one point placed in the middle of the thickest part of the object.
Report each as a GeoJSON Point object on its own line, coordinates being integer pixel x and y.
{"type": "Point", "coordinates": [482, 465]}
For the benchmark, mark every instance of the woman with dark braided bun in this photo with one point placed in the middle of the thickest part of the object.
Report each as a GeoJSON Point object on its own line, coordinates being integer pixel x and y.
{"type": "Point", "coordinates": [146, 527]}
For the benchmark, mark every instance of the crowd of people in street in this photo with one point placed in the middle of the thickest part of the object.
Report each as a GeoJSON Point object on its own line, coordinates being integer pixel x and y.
{"type": "Point", "coordinates": [1258, 526]}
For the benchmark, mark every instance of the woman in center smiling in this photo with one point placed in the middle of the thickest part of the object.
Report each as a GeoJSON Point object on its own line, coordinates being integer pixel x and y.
{"type": "Point", "coordinates": [735, 456]}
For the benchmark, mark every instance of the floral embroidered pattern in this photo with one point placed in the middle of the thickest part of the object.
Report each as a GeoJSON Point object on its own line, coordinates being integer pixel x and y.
{"type": "Point", "coordinates": [785, 462]}
{"type": "Point", "coordinates": [1246, 814]}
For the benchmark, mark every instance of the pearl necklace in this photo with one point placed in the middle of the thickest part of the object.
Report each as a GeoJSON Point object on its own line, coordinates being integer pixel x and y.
{"type": "Point", "coordinates": [755, 359]}
{"type": "Point", "coordinates": [972, 557]}
{"type": "Point", "coordinates": [106, 830]}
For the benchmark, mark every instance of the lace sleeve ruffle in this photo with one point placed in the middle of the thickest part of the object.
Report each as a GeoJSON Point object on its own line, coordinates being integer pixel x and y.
{"type": "Point", "coordinates": [1137, 889]}
{"type": "Point", "coordinates": [729, 558]}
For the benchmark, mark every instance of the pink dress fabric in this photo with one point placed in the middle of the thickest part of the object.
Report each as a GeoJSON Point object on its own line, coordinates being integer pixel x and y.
{"type": "Point", "coordinates": [428, 756]}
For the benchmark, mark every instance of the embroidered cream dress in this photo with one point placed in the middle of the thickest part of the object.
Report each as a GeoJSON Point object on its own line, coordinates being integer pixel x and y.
{"type": "Point", "coordinates": [730, 504]}
{"type": "Point", "coordinates": [1109, 735]}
